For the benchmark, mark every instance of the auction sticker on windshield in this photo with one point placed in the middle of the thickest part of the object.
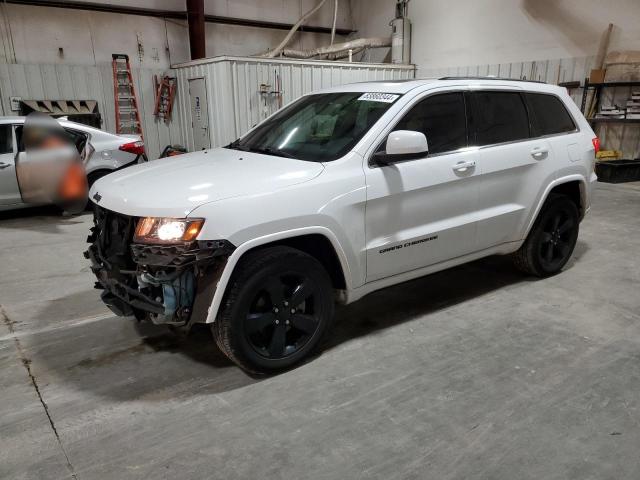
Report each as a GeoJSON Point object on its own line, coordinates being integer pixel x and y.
{"type": "Point", "coordinates": [379, 97]}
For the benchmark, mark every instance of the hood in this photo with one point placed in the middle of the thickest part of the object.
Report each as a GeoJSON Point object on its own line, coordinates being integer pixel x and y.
{"type": "Point", "coordinates": [174, 186]}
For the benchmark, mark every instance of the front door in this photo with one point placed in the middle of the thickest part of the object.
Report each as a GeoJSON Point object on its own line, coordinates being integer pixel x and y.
{"type": "Point", "coordinates": [9, 190]}
{"type": "Point", "coordinates": [422, 212]}
{"type": "Point", "coordinates": [199, 114]}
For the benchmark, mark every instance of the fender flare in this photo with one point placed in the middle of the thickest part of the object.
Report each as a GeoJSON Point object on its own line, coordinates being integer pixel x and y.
{"type": "Point", "coordinates": [547, 191]}
{"type": "Point", "coordinates": [237, 254]}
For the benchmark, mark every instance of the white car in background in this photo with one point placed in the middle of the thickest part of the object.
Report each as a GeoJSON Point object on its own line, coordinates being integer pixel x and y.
{"type": "Point", "coordinates": [107, 152]}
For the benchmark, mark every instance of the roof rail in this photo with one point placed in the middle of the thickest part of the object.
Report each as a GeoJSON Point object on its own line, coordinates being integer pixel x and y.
{"type": "Point", "coordinates": [490, 78]}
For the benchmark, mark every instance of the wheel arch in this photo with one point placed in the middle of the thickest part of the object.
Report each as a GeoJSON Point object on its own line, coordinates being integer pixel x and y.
{"type": "Point", "coordinates": [318, 242]}
{"type": "Point", "coordinates": [574, 186]}
{"type": "Point", "coordinates": [97, 173]}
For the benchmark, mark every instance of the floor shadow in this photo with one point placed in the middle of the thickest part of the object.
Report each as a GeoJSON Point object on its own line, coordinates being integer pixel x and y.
{"type": "Point", "coordinates": [45, 219]}
{"type": "Point", "coordinates": [105, 356]}
{"type": "Point", "coordinates": [400, 303]}
{"type": "Point", "coordinates": [125, 360]}
{"type": "Point", "coordinates": [46, 210]}
{"type": "Point", "coordinates": [167, 363]}
{"type": "Point", "coordinates": [197, 344]}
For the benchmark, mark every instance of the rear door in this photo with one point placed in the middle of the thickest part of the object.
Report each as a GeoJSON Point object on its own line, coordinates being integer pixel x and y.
{"type": "Point", "coordinates": [422, 211]}
{"type": "Point", "coordinates": [513, 164]}
{"type": "Point", "coordinates": [9, 190]}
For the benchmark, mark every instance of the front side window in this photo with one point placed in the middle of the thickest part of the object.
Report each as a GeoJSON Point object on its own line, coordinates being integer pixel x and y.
{"type": "Point", "coordinates": [549, 114]}
{"type": "Point", "coordinates": [498, 117]}
{"type": "Point", "coordinates": [319, 128]}
{"type": "Point", "coordinates": [442, 119]}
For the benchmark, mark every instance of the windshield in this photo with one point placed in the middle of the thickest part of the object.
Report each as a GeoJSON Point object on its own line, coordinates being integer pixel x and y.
{"type": "Point", "coordinates": [318, 128]}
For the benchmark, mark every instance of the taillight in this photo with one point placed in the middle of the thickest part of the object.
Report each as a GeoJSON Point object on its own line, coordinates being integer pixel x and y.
{"type": "Point", "coordinates": [596, 144]}
{"type": "Point", "coordinates": [137, 148]}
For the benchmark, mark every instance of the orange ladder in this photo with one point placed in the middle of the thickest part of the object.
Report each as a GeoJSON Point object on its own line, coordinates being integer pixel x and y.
{"type": "Point", "coordinates": [126, 103]}
{"type": "Point", "coordinates": [165, 93]}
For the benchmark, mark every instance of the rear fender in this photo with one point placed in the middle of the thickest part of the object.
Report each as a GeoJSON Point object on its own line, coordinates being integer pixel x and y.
{"type": "Point", "coordinates": [547, 191]}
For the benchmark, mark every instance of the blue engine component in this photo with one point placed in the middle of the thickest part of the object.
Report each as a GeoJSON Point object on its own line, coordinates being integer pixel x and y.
{"type": "Point", "coordinates": [178, 293]}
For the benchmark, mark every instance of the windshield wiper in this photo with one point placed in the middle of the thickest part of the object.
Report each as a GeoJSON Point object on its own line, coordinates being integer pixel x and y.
{"type": "Point", "coordinates": [272, 151]}
{"type": "Point", "coordinates": [235, 145]}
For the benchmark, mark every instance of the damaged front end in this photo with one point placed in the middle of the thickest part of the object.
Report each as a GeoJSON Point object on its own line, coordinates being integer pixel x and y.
{"type": "Point", "coordinates": [168, 284]}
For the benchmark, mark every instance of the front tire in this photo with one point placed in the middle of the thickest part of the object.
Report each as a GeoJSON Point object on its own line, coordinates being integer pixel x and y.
{"type": "Point", "coordinates": [276, 311]}
{"type": "Point", "coordinates": [552, 238]}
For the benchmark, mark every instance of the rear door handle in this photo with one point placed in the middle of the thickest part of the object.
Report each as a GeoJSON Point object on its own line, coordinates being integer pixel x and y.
{"type": "Point", "coordinates": [464, 166]}
{"type": "Point", "coordinates": [4, 165]}
{"type": "Point", "coordinates": [539, 153]}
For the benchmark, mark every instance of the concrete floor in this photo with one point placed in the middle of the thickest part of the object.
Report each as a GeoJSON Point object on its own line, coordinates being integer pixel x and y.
{"type": "Point", "coordinates": [477, 372]}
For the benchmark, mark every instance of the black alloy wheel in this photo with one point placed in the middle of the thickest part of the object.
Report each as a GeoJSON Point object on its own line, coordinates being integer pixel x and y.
{"type": "Point", "coordinates": [557, 240]}
{"type": "Point", "coordinates": [282, 318]}
{"type": "Point", "coordinates": [552, 238]}
{"type": "Point", "coordinates": [277, 308]}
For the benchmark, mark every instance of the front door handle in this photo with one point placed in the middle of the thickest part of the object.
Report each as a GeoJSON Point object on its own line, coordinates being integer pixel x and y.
{"type": "Point", "coordinates": [4, 165]}
{"type": "Point", "coordinates": [539, 153]}
{"type": "Point", "coordinates": [464, 166]}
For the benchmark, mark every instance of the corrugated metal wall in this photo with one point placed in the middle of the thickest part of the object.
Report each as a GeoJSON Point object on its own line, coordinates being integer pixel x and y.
{"type": "Point", "coordinates": [235, 104]}
{"type": "Point", "coordinates": [70, 82]}
{"type": "Point", "coordinates": [549, 71]}
{"type": "Point", "coordinates": [233, 88]}
{"type": "Point", "coordinates": [233, 84]}
{"type": "Point", "coordinates": [619, 137]}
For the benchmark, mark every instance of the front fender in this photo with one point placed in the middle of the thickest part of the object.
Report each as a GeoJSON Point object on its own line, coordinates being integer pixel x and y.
{"type": "Point", "coordinates": [237, 254]}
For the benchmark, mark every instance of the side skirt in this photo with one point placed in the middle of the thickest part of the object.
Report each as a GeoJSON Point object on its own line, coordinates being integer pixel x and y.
{"type": "Point", "coordinates": [351, 296]}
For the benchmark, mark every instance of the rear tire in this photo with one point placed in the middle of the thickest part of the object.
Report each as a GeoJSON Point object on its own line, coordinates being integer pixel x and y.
{"type": "Point", "coordinates": [552, 238]}
{"type": "Point", "coordinates": [277, 309]}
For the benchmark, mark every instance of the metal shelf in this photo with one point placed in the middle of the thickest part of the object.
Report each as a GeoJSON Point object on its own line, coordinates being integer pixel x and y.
{"type": "Point", "coordinates": [612, 84]}
{"type": "Point", "coordinates": [597, 87]}
{"type": "Point", "coordinates": [614, 120]}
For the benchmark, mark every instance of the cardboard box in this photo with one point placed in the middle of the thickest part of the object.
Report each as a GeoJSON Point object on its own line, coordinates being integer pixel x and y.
{"type": "Point", "coordinates": [597, 76]}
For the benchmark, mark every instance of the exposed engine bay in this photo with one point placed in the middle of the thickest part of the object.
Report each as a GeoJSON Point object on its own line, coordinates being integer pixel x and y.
{"type": "Point", "coordinates": [167, 284]}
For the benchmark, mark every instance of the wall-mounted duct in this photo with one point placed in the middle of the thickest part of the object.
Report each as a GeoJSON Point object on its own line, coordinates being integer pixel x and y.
{"type": "Point", "coordinates": [338, 48]}
{"type": "Point", "coordinates": [276, 51]}
{"type": "Point", "coordinates": [333, 51]}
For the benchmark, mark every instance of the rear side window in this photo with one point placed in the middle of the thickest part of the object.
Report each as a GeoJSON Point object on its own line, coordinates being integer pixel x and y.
{"type": "Point", "coordinates": [442, 119]}
{"type": "Point", "coordinates": [6, 139]}
{"type": "Point", "coordinates": [549, 115]}
{"type": "Point", "coordinates": [498, 117]}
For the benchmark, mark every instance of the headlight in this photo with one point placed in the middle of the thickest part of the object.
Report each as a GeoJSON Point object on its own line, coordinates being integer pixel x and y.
{"type": "Point", "coordinates": [167, 230]}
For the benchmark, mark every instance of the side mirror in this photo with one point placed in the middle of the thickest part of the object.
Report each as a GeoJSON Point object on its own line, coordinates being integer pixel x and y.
{"type": "Point", "coordinates": [403, 145]}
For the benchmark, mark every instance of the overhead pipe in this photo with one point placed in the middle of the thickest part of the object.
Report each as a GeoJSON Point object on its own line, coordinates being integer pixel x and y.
{"type": "Point", "coordinates": [335, 19]}
{"type": "Point", "coordinates": [334, 50]}
{"type": "Point", "coordinates": [276, 51]}
{"type": "Point", "coordinates": [339, 48]}
{"type": "Point", "coordinates": [195, 19]}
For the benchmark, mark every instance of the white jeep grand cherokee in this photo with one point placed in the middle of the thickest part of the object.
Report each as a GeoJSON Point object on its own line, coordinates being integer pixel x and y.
{"type": "Point", "coordinates": [343, 192]}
